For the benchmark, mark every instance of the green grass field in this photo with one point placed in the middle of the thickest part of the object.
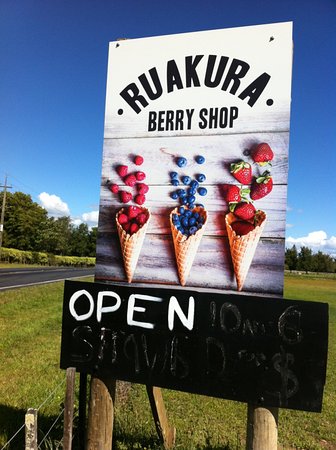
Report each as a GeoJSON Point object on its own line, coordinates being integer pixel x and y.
{"type": "Point", "coordinates": [30, 328]}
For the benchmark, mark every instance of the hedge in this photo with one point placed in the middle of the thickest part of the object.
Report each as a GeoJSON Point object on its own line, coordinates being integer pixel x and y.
{"type": "Point", "coordinates": [12, 255]}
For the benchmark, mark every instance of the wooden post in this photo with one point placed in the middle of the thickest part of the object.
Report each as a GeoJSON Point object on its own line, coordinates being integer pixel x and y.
{"type": "Point", "coordinates": [262, 428]}
{"type": "Point", "coordinates": [31, 429]}
{"type": "Point", "coordinates": [166, 433]}
{"type": "Point", "coordinates": [82, 410]}
{"type": "Point", "coordinates": [69, 408]}
{"type": "Point", "coordinates": [101, 413]}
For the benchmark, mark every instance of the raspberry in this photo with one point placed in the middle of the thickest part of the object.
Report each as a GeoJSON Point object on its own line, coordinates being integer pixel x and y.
{"type": "Point", "coordinates": [122, 171]}
{"type": "Point", "coordinates": [125, 196]}
{"type": "Point", "coordinates": [134, 228]}
{"type": "Point", "coordinates": [114, 188]}
{"type": "Point", "coordinates": [138, 160]}
{"type": "Point", "coordinates": [126, 226]}
{"type": "Point", "coordinates": [140, 199]}
{"type": "Point", "coordinates": [133, 211]}
{"type": "Point", "coordinates": [140, 176]}
{"type": "Point", "coordinates": [142, 188]}
{"type": "Point", "coordinates": [142, 219]}
{"type": "Point", "coordinates": [130, 180]}
{"type": "Point", "coordinates": [122, 218]}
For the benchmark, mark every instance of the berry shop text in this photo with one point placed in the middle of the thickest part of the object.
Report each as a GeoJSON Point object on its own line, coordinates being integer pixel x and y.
{"type": "Point", "coordinates": [264, 350]}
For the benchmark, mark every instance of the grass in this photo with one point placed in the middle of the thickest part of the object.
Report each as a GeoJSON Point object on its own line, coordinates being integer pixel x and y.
{"type": "Point", "coordinates": [30, 328]}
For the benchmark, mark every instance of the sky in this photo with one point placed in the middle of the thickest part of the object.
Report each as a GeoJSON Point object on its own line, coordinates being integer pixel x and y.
{"type": "Point", "coordinates": [53, 58]}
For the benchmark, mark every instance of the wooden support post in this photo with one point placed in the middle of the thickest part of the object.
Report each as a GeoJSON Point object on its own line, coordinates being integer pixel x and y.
{"type": "Point", "coordinates": [82, 400]}
{"type": "Point", "coordinates": [31, 429]}
{"type": "Point", "coordinates": [101, 413]}
{"type": "Point", "coordinates": [69, 408]}
{"type": "Point", "coordinates": [166, 433]}
{"type": "Point", "coordinates": [262, 428]}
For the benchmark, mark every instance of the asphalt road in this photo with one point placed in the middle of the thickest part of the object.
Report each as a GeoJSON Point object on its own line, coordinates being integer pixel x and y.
{"type": "Point", "coordinates": [14, 278]}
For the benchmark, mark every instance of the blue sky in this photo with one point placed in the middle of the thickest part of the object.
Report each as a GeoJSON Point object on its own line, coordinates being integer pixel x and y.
{"type": "Point", "coordinates": [52, 96]}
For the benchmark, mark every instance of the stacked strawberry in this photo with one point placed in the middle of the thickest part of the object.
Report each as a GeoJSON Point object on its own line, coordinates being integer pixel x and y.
{"type": "Point", "coordinates": [132, 218]}
{"type": "Point", "coordinates": [260, 186]}
{"type": "Point", "coordinates": [133, 180]}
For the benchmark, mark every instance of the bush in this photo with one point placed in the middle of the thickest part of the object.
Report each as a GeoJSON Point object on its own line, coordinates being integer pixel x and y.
{"type": "Point", "coordinates": [12, 255]}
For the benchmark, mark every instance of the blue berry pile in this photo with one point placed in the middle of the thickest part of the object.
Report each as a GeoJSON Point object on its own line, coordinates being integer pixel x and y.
{"type": "Point", "coordinates": [188, 222]}
{"type": "Point", "coordinates": [186, 194]}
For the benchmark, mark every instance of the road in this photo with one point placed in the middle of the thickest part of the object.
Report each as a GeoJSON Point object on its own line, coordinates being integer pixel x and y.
{"type": "Point", "coordinates": [14, 278]}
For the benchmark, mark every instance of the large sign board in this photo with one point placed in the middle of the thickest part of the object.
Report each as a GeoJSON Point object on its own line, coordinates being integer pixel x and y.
{"type": "Point", "coordinates": [185, 116]}
{"type": "Point", "coordinates": [192, 211]}
{"type": "Point", "coordinates": [253, 349]}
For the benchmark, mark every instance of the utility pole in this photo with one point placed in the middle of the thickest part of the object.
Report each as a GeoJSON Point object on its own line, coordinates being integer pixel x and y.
{"type": "Point", "coordinates": [2, 218]}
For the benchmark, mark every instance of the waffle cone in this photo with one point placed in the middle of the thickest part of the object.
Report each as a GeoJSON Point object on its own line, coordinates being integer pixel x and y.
{"type": "Point", "coordinates": [131, 245]}
{"type": "Point", "coordinates": [242, 248]}
{"type": "Point", "coordinates": [186, 247]}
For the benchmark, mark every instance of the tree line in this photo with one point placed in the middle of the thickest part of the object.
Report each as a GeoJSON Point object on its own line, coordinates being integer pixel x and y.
{"type": "Point", "coordinates": [28, 227]}
{"type": "Point", "coordinates": [307, 261]}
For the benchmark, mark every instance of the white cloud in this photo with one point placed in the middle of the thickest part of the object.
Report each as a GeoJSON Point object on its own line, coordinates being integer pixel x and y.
{"type": "Point", "coordinates": [54, 205]}
{"type": "Point", "coordinates": [90, 218]}
{"type": "Point", "coordinates": [316, 240]}
{"type": "Point", "coordinates": [289, 225]}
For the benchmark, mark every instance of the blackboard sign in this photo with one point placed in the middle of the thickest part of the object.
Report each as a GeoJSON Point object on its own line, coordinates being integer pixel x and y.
{"type": "Point", "coordinates": [266, 351]}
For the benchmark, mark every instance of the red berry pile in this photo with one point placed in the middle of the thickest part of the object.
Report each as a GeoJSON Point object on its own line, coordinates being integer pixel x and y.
{"type": "Point", "coordinates": [132, 218]}
{"type": "Point", "coordinates": [256, 186]}
{"type": "Point", "coordinates": [133, 180]}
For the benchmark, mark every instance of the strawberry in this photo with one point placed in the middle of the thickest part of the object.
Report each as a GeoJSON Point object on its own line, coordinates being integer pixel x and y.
{"type": "Point", "coordinates": [242, 172]}
{"type": "Point", "coordinates": [241, 227]}
{"type": "Point", "coordinates": [133, 211]}
{"type": "Point", "coordinates": [141, 219]}
{"type": "Point", "coordinates": [134, 228]}
{"type": "Point", "coordinates": [122, 218]}
{"type": "Point", "coordinates": [125, 196]}
{"type": "Point", "coordinates": [122, 171]}
{"type": "Point", "coordinates": [233, 193]}
{"type": "Point", "coordinates": [262, 154]}
{"type": "Point", "coordinates": [127, 226]}
{"type": "Point", "coordinates": [243, 210]}
{"type": "Point", "coordinates": [138, 160]}
{"type": "Point", "coordinates": [130, 180]}
{"type": "Point", "coordinates": [114, 188]}
{"type": "Point", "coordinates": [261, 186]}
{"type": "Point", "coordinates": [140, 199]}
{"type": "Point", "coordinates": [142, 188]}
{"type": "Point", "coordinates": [140, 176]}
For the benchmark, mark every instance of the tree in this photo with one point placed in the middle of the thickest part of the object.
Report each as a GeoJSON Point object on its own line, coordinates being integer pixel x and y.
{"type": "Point", "coordinates": [305, 259]}
{"type": "Point", "coordinates": [23, 220]}
{"type": "Point", "coordinates": [79, 241]}
{"type": "Point", "coordinates": [291, 258]}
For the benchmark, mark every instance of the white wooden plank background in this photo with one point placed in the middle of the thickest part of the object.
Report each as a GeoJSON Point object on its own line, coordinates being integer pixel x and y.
{"type": "Point", "coordinates": [212, 267]}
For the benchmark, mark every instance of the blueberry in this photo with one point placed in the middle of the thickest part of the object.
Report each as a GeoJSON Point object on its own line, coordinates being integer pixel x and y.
{"type": "Point", "coordinates": [181, 162]}
{"type": "Point", "coordinates": [200, 205]}
{"type": "Point", "coordinates": [191, 199]}
{"type": "Point", "coordinates": [173, 174]}
{"type": "Point", "coordinates": [200, 177]}
{"type": "Point", "coordinates": [175, 218]}
{"type": "Point", "coordinates": [202, 191]}
{"type": "Point", "coordinates": [192, 230]}
{"type": "Point", "coordinates": [183, 200]}
{"type": "Point", "coordinates": [196, 215]}
{"type": "Point", "coordinates": [191, 221]}
{"type": "Point", "coordinates": [200, 159]}
{"type": "Point", "coordinates": [181, 193]}
{"type": "Point", "coordinates": [181, 210]}
{"type": "Point", "coordinates": [199, 226]}
{"type": "Point", "coordinates": [186, 179]}
{"type": "Point", "coordinates": [175, 182]}
{"type": "Point", "coordinates": [188, 213]}
{"type": "Point", "coordinates": [191, 191]}
{"type": "Point", "coordinates": [194, 184]}
{"type": "Point", "coordinates": [174, 195]}
{"type": "Point", "coordinates": [184, 221]}
{"type": "Point", "coordinates": [191, 205]}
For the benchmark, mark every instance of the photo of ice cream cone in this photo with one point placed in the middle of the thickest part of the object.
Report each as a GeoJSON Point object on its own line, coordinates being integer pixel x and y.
{"type": "Point", "coordinates": [187, 227]}
{"type": "Point", "coordinates": [243, 240]}
{"type": "Point", "coordinates": [132, 224]}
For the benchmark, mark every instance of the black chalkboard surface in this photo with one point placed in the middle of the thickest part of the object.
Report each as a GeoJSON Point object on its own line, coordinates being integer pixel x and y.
{"type": "Point", "coordinates": [266, 351]}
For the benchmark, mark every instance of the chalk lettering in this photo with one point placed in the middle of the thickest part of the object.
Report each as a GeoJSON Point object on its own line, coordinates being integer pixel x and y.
{"type": "Point", "coordinates": [131, 308]}
{"type": "Point", "coordinates": [131, 352]}
{"type": "Point", "coordinates": [77, 295]}
{"type": "Point", "coordinates": [230, 318]}
{"type": "Point", "coordinates": [215, 364]}
{"type": "Point", "coordinates": [178, 365]}
{"type": "Point", "coordinates": [289, 381]}
{"type": "Point", "coordinates": [289, 326]}
{"type": "Point", "coordinates": [175, 308]}
{"type": "Point", "coordinates": [83, 350]}
{"type": "Point", "coordinates": [107, 309]}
